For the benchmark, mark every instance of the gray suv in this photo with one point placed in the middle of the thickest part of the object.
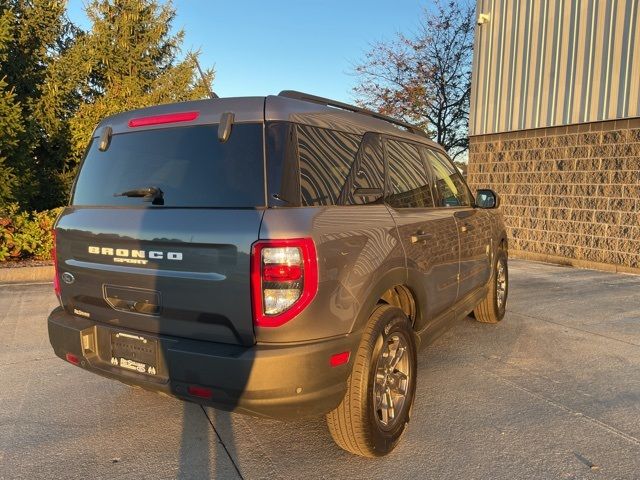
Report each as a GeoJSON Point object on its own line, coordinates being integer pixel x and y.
{"type": "Point", "coordinates": [280, 256]}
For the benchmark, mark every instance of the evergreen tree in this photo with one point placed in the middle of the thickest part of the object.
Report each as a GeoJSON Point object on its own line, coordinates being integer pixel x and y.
{"type": "Point", "coordinates": [11, 126]}
{"type": "Point", "coordinates": [36, 35]}
{"type": "Point", "coordinates": [130, 59]}
{"type": "Point", "coordinates": [57, 83]}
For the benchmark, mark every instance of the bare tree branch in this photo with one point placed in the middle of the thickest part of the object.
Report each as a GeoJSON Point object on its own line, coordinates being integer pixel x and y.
{"type": "Point", "coordinates": [425, 79]}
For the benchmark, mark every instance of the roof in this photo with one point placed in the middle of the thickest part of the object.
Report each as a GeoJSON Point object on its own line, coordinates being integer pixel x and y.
{"type": "Point", "coordinates": [270, 108]}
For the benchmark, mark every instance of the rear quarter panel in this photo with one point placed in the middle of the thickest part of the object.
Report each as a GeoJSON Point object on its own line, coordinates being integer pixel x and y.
{"type": "Point", "coordinates": [358, 253]}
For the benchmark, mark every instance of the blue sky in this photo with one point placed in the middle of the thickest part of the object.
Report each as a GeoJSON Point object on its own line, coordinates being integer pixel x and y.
{"type": "Point", "coordinates": [262, 47]}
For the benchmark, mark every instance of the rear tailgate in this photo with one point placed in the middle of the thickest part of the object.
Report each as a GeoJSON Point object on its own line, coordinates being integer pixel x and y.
{"type": "Point", "coordinates": [177, 272]}
{"type": "Point", "coordinates": [163, 214]}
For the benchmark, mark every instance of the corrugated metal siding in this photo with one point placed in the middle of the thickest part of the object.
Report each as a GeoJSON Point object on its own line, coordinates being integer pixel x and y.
{"type": "Point", "coordinates": [543, 63]}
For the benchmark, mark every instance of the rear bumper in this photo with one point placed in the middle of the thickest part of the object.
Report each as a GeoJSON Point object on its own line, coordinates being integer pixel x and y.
{"type": "Point", "coordinates": [276, 381]}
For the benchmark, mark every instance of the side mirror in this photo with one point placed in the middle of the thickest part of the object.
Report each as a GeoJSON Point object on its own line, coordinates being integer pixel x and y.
{"type": "Point", "coordinates": [486, 198]}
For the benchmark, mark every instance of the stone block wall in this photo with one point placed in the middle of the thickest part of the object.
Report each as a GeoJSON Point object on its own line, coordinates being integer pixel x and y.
{"type": "Point", "coordinates": [568, 194]}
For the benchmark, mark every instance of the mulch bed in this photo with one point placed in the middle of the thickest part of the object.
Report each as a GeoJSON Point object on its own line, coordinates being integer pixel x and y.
{"type": "Point", "coordinates": [25, 263]}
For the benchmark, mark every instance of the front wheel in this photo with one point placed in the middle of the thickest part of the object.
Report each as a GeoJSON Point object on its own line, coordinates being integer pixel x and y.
{"type": "Point", "coordinates": [375, 409]}
{"type": "Point", "coordinates": [493, 306]}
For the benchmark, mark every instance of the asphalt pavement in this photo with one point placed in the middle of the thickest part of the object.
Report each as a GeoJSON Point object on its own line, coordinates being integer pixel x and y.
{"type": "Point", "coordinates": [553, 391]}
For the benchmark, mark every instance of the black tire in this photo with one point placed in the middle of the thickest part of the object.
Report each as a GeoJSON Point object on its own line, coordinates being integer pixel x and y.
{"type": "Point", "coordinates": [356, 425]}
{"type": "Point", "coordinates": [491, 309]}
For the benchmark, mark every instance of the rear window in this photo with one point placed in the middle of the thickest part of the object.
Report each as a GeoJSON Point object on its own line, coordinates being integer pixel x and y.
{"type": "Point", "coordinates": [188, 164]}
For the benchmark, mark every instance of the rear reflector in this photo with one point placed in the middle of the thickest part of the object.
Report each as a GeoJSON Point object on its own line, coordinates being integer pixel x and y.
{"type": "Point", "coordinates": [339, 359]}
{"type": "Point", "coordinates": [160, 119]}
{"type": "Point", "coordinates": [201, 392]}
{"type": "Point", "coordinates": [71, 358]}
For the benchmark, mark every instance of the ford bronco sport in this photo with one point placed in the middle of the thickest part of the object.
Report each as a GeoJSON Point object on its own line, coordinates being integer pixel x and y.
{"type": "Point", "coordinates": [282, 257]}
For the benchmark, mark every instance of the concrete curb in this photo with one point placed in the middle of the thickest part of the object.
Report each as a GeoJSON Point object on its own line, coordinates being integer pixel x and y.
{"type": "Point", "coordinates": [572, 262]}
{"type": "Point", "coordinates": [26, 274]}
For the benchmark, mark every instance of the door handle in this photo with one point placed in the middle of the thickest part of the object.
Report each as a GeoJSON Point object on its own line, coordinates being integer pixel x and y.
{"type": "Point", "coordinates": [421, 236]}
{"type": "Point", "coordinates": [466, 228]}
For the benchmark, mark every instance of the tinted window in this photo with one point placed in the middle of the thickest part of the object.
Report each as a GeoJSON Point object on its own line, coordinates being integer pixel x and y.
{"type": "Point", "coordinates": [367, 172]}
{"type": "Point", "coordinates": [282, 165]}
{"type": "Point", "coordinates": [189, 165]}
{"type": "Point", "coordinates": [325, 159]}
{"type": "Point", "coordinates": [407, 175]}
{"type": "Point", "coordinates": [452, 190]}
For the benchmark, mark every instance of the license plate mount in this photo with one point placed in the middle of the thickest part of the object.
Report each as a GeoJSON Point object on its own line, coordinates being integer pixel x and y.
{"type": "Point", "coordinates": [134, 352]}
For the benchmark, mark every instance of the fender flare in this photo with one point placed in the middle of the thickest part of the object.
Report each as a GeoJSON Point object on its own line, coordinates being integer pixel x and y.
{"type": "Point", "coordinates": [392, 278]}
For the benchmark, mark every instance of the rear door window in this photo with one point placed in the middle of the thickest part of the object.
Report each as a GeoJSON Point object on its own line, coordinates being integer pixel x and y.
{"type": "Point", "coordinates": [408, 178]}
{"type": "Point", "coordinates": [367, 173]}
{"type": "Point", "coordinates": [188, 164]}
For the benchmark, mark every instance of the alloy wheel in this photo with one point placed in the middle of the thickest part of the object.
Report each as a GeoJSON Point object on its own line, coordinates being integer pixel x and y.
{"type": "Point", "coordinates": [501, 284]}
{"type": "Point", "coordinates": [392, 381]}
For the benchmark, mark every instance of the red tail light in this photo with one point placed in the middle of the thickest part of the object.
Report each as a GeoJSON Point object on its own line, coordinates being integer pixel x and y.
{"type": "Point", "coordinates": [284, 279]}
{"type": "Point", "coordinates": [281, 273]}
{"type": "Point", "coordinates": [54, 255]}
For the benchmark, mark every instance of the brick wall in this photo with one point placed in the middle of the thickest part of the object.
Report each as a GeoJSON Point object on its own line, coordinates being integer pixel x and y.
{"type": "Point", "coordinates": [569, 194]}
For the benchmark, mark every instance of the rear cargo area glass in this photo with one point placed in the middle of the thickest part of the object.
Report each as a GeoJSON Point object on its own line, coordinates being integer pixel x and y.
{"type": "Point", "coordinates": [189, 165]}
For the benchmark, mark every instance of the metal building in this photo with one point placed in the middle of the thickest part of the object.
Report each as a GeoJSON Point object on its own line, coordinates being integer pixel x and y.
{"type": "Point", "coordinates": [555, 126]}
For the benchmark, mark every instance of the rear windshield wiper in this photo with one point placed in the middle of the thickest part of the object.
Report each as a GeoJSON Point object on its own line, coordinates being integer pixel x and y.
{"type": "Point", "coordinates": [149, 194]}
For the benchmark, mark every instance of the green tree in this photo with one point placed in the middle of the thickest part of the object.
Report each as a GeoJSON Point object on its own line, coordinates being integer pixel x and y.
{"type": "Point", "coordinates": [130, 59]}
{"type": "Point", "coordinates": [425, 78]}
{"type": "Point", "coordinates": [10, 121]}
{"type": "Point", "coordinates": [36, 35]}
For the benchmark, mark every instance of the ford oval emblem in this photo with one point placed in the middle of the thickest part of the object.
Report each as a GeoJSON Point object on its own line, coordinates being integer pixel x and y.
{"type": "Point", "coordinates": [68, 278]}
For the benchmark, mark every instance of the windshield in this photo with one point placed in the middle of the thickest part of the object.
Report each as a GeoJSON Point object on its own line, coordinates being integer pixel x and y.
{"type": "Point", "coordinates": [188, 165]}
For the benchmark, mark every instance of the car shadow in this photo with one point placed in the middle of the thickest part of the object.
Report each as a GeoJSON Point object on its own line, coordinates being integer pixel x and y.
{"type": "Point", "coordinates": [195, 445]}
{"type": "Point", "coordinates": [203, 452]}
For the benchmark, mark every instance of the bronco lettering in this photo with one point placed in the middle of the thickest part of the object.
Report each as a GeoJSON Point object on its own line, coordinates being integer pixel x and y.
{"type": "Point", "coordinates": [124, 255]}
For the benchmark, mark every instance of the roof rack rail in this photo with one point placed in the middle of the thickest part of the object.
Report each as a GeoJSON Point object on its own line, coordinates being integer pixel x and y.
{"type": "Point", "coordinates": [345, 106]}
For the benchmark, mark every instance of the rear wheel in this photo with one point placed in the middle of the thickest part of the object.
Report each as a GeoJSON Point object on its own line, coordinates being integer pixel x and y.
{"type": "Point", "coordinates": [375, 410]}
{"type": "Point", "coordinates": [493, 307]}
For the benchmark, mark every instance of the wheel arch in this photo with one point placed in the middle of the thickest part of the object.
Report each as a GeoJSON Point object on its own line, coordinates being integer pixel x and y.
{"type": "Point", "coordinates": [394, 289]}
{"type": "Point", "coordinates": [401, 296]}
{"type": "Point", "coordinates": [503, 243]}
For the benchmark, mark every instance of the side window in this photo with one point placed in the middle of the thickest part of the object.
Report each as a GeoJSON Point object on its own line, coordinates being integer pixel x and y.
{"type": "Point", "coordinates": [283, 180]}
{"type": "Point", "coordinates": [409, 183]}
{"type": "Point", "coordinates": [325, 158]}
{"type": "Point", "coordinates": [367, 172]}
{"type": "Point", "coordinates": [452, 190]}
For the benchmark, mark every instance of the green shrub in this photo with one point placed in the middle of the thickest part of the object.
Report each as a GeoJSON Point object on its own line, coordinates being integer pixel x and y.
{"type": "Point", "coordinates": [26, 235]}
